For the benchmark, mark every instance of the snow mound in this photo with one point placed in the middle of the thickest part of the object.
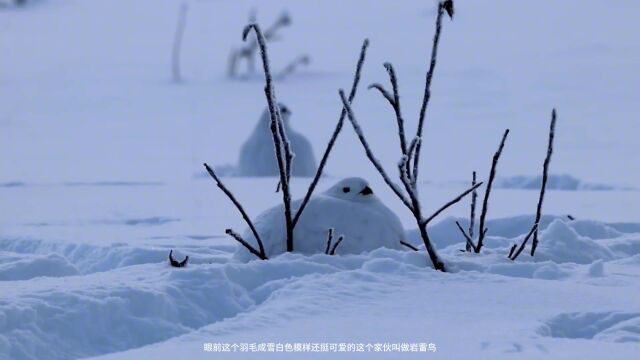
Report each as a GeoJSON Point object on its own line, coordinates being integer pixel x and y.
{"type": "Point", "coordinates": [605, 326]}
{"type": "Point", "coordinates": [554, 182]}
{"type": "Point", "coordinates": [28, 266]}
{"type": "Point", "coordinates": [131, 307]}
{"type": "Point", "coordinates": [596, 269]}
{"type": "Point", "coordinates": [560, 244]}
{"type": "Point", "coordinates": [445, 232]}
{"type": "Point", "coordinates": [89, 258]}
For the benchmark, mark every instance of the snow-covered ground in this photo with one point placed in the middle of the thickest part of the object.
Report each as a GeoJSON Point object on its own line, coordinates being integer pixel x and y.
{"type": "Point", "coordinates": [101, 175]}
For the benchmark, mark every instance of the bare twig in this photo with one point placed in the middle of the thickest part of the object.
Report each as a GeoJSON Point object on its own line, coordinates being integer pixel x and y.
{"type": "Point", "coordinates": [409, 245]}
{"type": "Point", "coordinates": [248, 51]}
{"type": "Point", "coordinates": [570, 217]}
{"type": "Point", "coordinates": [334, 136]}
{"type": "Point", "coordinates": [370, 155]}
{"type": "Point", "coordinates": [382, 91]}
{"type": "Point", "coordinates": [427, 85]}
{"type": "Point", "coordinates": [472, 216]}
{"type": "Point", "coordinates": [408, 177]}
{"type": "Point", "coordinates": [238, 206]}
{"type": "Point", "coordinates": [487, 193]}
{"type": "Point", "coordinates": [470, 246]}
{"type": "Point", "coordinates": [282, 148]}
{"type": "Point", "coordinates": [173, 262]}
{"type": "Point", "coordinates": [515, 255]}
{"type": "Point", "coordinates": [335, 246]}
{"type": "Point", "coordinates": [396, 108]}
{"type": "Point", "coordinates": [291, 68]}
{"type": "Point", "coordinates": [394, 101]}
{"type": "Point", "coordinates": [451, 202]}
{"type": "Point", "coordinates": [177, 43]}
{"type": "Point", "coordinates": [448, 6]}
{"type": "Point", "coordinates": [251, 249]}
{"type": "Point", "coordinates": [329, 238]}
{"type": "Point", "coordinates": [545, 174]}
{"type": "Point", "coordinates": [513, 248]}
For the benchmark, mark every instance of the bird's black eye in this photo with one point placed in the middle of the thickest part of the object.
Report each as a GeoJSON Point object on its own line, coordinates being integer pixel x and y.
{"type": "Point", "coordinates": [346, 189]}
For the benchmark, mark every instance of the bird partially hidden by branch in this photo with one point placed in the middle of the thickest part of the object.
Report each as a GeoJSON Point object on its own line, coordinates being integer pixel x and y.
{"type": "Point", "coordinates": [176, 263]}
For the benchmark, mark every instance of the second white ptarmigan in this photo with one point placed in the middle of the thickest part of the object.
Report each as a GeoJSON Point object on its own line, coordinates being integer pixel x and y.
{"type": "Point", "coordinates": [349, 207]}
{"type": "Point", "coordinates": [257, 155]}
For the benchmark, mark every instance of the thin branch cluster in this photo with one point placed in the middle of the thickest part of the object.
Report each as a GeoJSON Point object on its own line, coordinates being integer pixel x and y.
{"type": "Point", "coordinates": [284, 156]}
{"type": "Point", "coordinates": [410, 151]}
{"type": "Point", "coordinates": [408, 165]}
{"type": "Point", "coordinates": [248, 51]}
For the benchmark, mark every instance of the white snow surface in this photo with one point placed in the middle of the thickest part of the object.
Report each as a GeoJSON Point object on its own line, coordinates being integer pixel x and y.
{"type": "Point", "coordinates": [101, 175]}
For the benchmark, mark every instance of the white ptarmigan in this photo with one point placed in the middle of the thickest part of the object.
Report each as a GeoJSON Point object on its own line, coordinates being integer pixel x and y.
{"type": "Point", "coordinates": [349, 207]}
{"type": "Point", "coordinates": [257, 155]}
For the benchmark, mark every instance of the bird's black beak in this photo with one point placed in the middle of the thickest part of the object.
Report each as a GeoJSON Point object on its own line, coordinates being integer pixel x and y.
{"type": "Point", "coordinates": [366, 191]}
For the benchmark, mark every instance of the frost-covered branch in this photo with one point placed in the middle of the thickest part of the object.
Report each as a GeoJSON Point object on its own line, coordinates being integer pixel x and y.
{"type": "Point", "coordinates": [177, 43]}
{"type": "Point", "coordinates": [251, 249]}
{"type": "Point", "coordinates": [410, 154]}
{"type": "Point", "coordinates": [239, 207]}
{"type": "Point", "coordinates": [336, 132]}
{"type": "Point", "coordinates": [451, 202]}
{"type": "Point", "coordinates": [442, 6]}
{"type": "Point", "coordinates": [248, 50]}
{"type": "Point", "coordinates": [487, 193]}
{"type": "Point", "coordinates": [281, 143]}
{"type": "Point", "coordinates": [394, 101]}
{"type": "Point", "coordinates": [545, 174]}
{"type": "Point", "coordinates": [356, 127]}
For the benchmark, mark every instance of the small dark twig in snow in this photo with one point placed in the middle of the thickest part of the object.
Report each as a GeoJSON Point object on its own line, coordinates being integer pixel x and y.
{"type": "Point", "coordinates": [176, 263]}
{"type": "Point", "coordinates": [570, 217]}
{"type": "Point", "coordinates": [239, 207]}
{"type": "Point", "coordinates": [409, 245]}
{"type": "Point", "coordinates": [335, 246]}
{"type": "Point", "coordinates": [329, 238]}
{"type": "Point", "coordinates": [545, 174]}
{"type": "Point", "coordinates": [487, 193]}
{"type": "Point", "coordinates": [334, 136]}
{"type": "Point", "coordinates": [472, 216]}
